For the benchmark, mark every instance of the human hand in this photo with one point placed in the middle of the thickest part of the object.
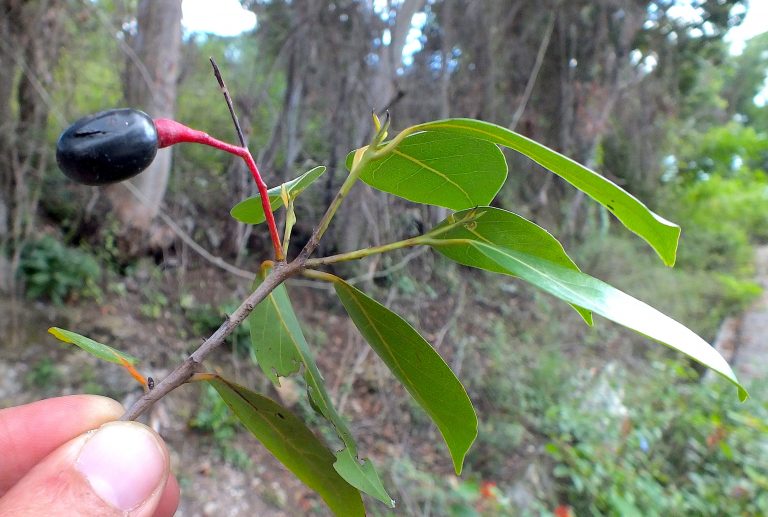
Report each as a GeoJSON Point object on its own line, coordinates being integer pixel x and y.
{"type": "Point", "coordinates": [52, 463]}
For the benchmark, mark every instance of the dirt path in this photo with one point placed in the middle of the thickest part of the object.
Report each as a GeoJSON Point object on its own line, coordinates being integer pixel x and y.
{"type": "Point", "coordinates": [743, 340]}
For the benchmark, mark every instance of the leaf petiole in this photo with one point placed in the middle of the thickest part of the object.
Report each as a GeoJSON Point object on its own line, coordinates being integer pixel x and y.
{"type": "Point", "coordinates": [365, 252]}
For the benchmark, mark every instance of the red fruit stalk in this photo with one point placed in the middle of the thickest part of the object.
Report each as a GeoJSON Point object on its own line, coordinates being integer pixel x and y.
{"type": "Point", "coordinates": [170, 132]}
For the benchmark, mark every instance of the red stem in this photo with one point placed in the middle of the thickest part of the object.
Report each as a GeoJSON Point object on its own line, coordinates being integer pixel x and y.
{"type": "Point", "coordinates": [170, 132]}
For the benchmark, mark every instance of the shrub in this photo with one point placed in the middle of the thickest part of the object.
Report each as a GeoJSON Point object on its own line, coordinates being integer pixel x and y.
{"type": "Point", "coordinates": [54, 271]}
{"type": "Point", "coordinates": [676, 449]}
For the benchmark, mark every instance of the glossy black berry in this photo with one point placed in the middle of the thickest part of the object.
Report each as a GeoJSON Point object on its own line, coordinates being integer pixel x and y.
{"type": "Point", "coordinates": [107, 147]}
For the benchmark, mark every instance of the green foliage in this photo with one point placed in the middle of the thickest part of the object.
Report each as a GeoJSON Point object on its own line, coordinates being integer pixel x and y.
{"type": "Point", "coordinates": [199, 173]}
{"type": "Point", "coordinates": [250, 211]}
{"type": "Point", "coordinates": [447, 496]}
{"type": "Point", "coordinates": [96, 349]}
{"type": "Point", "coordinates": [687, 293]}
{"type": "Point", "coordinates": [153, 306]}
{"type": "Point", "coordinates": [281, 349]}
{"type": "Point", "coordinates": [661, 234]}
{"type": "Point", "coordinates": [50, 269]}
{"type": "Point", "coordinates": [594, 295]}
{"type": "Point", "coordinates": [729, 151]}
{"type": "Point", "coordinates": [720, 189]}
{"type": "Point", "coordinates": [725, 214]}
{"type": "Point", "coordinates": [214, 417]}
{"type": "Point", "coordinates": [456, 164]}
{"type": "Point", "coordinates": [745, 78]}
{"type": "Point", "coordinates": [677, 450]}
{"type": "Point", "coordinates": [417, 366]}
{"type": "Point", "coordinates": [503, 229]}
{"type": "Point", "coordinates": [86, 77]}
{"type": "Point", "coordinates": [289, 439]}
{"type": "Point", "coordinates": [440, 169]}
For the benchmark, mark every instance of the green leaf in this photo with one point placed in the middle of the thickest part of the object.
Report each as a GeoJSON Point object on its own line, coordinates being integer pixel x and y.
{"type": "Point", "coordinates": [277, 346]}
{"type": "Point", "coordinates": [505, 230]}
{"type": "Point", "coordinates": [440, 169]}
{"type": "Point", "coordinates": [595, 295]}
{"type": "Point", "coordinates": [280, 349]}
{"type": "Point", "coordinates": [661, 234]}
{"type": "Point", "coordinates": [362, 475]}
{"type": "Point", "coordinates": [100, 350]}
{"type": "Point", "coordinates": [250, 210]}
{"type": "Point", "coordinates": [293, 444]}
{"type": "Point", "coordinates": [417, 366]}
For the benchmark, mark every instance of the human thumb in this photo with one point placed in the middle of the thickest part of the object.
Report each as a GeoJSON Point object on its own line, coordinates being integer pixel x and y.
{"type": "Point", "coordinates": [120, 468]}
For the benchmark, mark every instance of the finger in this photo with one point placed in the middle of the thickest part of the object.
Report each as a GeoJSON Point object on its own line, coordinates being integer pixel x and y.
{"type": "Point", "coordinates": [169, 501]}
{"type": "Point", "coordinates": [29, 433]}
{"type": "Point", "coordinates": [120, 469]}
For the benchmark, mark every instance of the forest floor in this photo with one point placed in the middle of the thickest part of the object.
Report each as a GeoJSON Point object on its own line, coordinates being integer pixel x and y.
{"type": "Point", "coordinates": [34, 366]}
{"type": "Point", "coordinates": [146, 316]}
{"type": "Point", "coordinates": [143, 318]}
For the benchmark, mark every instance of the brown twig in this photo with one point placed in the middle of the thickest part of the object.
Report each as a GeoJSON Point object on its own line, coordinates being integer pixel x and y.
{"type": "Point", "coordinates": [279, 274]}
{"type": "Point", "coordinates": [245, 154]}
{"type": "Point", "coordinates": [193, 363]}
{"type": "Point", "coordinates": [228, 98]}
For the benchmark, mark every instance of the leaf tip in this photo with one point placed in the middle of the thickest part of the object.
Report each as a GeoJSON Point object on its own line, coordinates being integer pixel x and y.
{"type": "Point", "coordinates": [459, 456]}
{"type": "Point", "coordinates": [669, 255]}
{"type": "Point", "coordinates": [743, 395]}
{"type": "Point", "coordinates": [586, 316]}
{"type": "Point", "coordinates": [55, 332]}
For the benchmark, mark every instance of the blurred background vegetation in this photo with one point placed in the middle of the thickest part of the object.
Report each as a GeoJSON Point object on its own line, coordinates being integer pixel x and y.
{"type": "Point", "coordinates": [653, 94]}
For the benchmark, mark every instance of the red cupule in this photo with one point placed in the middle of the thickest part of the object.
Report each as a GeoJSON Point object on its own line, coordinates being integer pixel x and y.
{"type": "Point", "coordinates": [170, 132]}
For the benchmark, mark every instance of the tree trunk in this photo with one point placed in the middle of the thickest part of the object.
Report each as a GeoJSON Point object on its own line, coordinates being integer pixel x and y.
{"type": "Point", "coordinates": [31, 37]}
{"type": "Point", "coordinates": [150, 84]}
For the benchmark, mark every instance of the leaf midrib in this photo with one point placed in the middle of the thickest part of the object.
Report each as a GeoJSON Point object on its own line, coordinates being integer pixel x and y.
{"type": "Point", "coordinates": [434, 171]}
{"type": "Point", "coordinates": [442, 426]}
{"type": "Point", "coordinates": [310, 371]}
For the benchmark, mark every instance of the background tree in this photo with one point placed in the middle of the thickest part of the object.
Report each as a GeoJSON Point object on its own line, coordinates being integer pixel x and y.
{"type": "Point", "coordinates": [32, 35]}
{"type": "Point", "coordinates": [150, 84]}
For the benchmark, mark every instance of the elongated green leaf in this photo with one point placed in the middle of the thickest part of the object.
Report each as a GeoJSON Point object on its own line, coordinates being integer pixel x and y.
{"type": "Point", "coordinates": [250, 210]}
{"type": "Point", "coordinates": [454, 171]}
{"type": "Point", "coordinates": [280, 349]}
{"type": "Point", "coordinates": [293, 444]}
{"type": "Point", "coordinates": [417, 366]}
{"type": "Point", "coordinates": [593, 294]}
{"type": "Point", "coordinates": [503, 229]}
{"type": "Point", "coordinates": [100, 350]}
{"type": "Point", "coordinates": [661, 234]}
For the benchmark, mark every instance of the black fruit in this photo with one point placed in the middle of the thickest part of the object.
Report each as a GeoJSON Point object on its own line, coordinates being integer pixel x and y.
{"type": "Point", "coordinates": [107, 147]}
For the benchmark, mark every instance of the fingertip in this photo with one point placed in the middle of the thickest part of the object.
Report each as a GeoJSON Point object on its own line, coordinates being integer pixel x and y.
{"type": "Point", "coordinates": [169, 501]}
{"type": "Point", "coordinates": [126, 464]}
{"type": "Point", "coordinates": [30, 432]}
{"type": "Point", "coordinates": [121, 469]}
{"type": "Point", "coordinates": [98, 404]}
